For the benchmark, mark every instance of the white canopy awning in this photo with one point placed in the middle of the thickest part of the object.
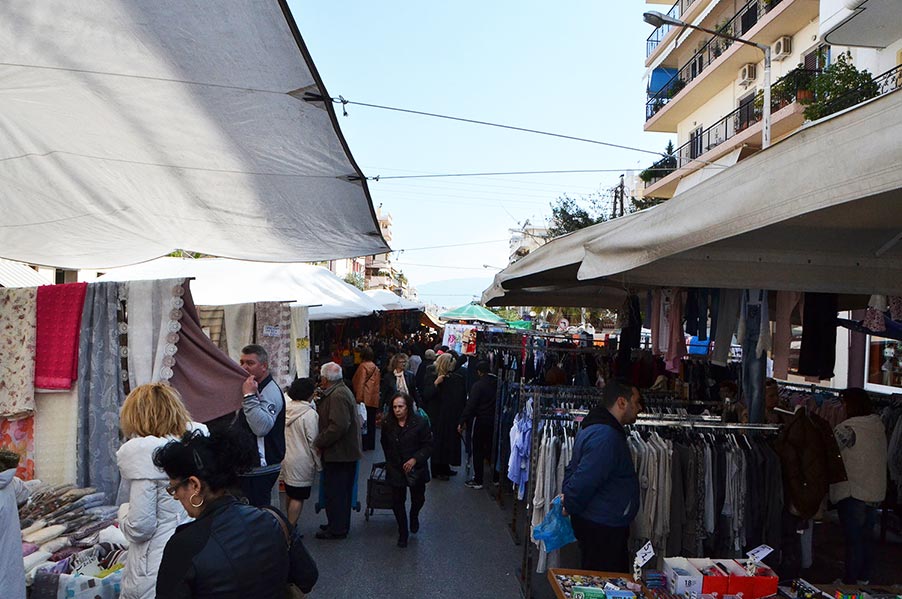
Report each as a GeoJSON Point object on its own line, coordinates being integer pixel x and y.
{"type": "Point", "coordinates": [819, 211]}
{"type": "Point", "coordinates": [132, 128]}
{"type": "Point", "coordinates": [390, 301]}
{"type": "Point", "coordinates": [219, 281]}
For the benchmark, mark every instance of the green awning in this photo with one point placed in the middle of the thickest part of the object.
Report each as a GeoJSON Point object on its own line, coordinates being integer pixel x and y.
{"type": "Point", "coordinates": [473, 312]}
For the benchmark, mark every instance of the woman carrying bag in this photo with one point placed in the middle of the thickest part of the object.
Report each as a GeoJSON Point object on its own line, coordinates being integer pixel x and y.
{"type": "Point", "coordinates": [407, 443]}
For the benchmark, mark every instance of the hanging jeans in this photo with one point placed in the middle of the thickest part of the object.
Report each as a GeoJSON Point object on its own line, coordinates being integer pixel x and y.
{"type": "Point", "coordinates": [858, 520]}
{"type": "Point", "coordinates": [754, 367]}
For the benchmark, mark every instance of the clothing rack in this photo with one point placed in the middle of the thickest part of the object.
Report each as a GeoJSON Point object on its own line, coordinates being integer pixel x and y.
{"type": "Point", "coordinates": [691, 424]}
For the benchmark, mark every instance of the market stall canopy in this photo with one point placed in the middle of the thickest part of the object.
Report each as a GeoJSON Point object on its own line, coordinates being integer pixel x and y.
{"type": "Point", "coordinates": [220, 281]}
{"type": "Point", "coordinates": [820, 211]}
{"type": "Point", "coordinates": [827, 217]}
{"type": "Point", "coordinates": [16, 274]}
{"type": "Point", "coordinates": [133, 128]}
{"type": "Point", "coordinates": [473, 313]}
{"type": "Point", "coordinates": [431, 321]}
{"type": "Point", "coordinates": [391, 301]}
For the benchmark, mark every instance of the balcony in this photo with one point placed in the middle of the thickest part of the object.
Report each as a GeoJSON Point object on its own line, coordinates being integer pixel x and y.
{"type": "Point", "coordinates": [657, 36]}
{"type": "Point", "coordinates": [739, 128]}
{"type": "Point", "coordinates": [716, 64]}
{"type": "Point", "coordinates": [789, 97]}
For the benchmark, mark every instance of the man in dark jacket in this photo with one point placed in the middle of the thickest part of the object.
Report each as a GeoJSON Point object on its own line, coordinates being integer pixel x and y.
{"type": "Point", "coordinates": [262, 417]}
{"type": "Point", "coordinates": [479, 415]}
{"type": "Point", "coordinates": [339, 443]}
{"type": "Point", "coordinates": [601, 489]}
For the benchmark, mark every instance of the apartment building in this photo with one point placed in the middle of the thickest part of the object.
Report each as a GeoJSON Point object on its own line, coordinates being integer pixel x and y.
{"type": "Point", "coordinates": [708, 90]}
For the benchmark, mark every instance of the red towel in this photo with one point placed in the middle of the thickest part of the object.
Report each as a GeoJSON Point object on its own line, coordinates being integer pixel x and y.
{"type": "Point", "coordinates": [59, 320]}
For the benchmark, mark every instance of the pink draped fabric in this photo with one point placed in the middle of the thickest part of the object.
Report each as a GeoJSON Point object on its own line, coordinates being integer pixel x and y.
{"type": "Point", "coordinates": [208, 379]}
{"type": "Point", "coordinates": [59, 310]}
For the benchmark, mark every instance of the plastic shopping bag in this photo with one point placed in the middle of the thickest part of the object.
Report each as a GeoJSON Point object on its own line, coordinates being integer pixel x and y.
{"type": "Point", "coordinates": [555, 529]}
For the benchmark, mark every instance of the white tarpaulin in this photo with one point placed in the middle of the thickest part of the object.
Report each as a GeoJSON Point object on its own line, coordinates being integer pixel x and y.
{"type": "Point", "coordinates": [390, 301]}
{"type": "Point", "coordinates": [220, 282]}
{"type": "Point", "coordinates": [131, 128]}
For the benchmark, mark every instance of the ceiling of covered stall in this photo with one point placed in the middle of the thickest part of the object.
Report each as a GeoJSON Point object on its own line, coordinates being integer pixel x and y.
{"type": "Point", "coordinates": [130, 129]}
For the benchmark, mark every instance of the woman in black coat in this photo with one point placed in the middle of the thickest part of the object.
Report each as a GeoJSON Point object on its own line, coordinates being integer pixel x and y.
{"type": "Point", "coordinates": [397, 379]}
{"type": "Point", "coordinates": [407, 443]}
{"type": "Point", "coordinates": [231, 549]}
{"type": "Point", "coordinates": [446, 392]}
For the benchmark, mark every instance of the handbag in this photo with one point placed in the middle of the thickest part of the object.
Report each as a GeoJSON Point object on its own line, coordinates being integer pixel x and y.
{"type": "Point", "coordinates": [361, 418]}
{"type": "Point", "coordinates": [302, 570]}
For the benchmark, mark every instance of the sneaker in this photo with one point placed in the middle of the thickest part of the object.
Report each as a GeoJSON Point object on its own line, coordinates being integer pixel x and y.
{"type": "Point", "coordinates": [472, 484]}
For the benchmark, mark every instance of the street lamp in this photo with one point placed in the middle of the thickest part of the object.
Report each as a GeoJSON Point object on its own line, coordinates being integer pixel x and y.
{"type": "Point", "coordinates": [657, 19]}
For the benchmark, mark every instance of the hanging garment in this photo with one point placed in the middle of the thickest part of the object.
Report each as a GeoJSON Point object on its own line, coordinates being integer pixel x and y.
{"type": "Point", "coordinates": [100, 392]}
{"type": "Point", "coordinates": [207, 379]}
{"type": "Point", "coordinates": [55, 436]}
{"type": "Point", "coordinates": [787, 302]}
{"type": "Point", "coordinates": [754, 336]}
{"type": "Point", "coordinates": [154, 312]}
{"type": "Point", "coordinates": [676, 338]}
{"type": "Point", "coordinates": [18, 317]}
{"type": "Point", "coordinates": [58, 320]}
{"type": "Point", "coordinates": [273, 333]}
{"type": "Point", "coordinates": [656, 323]}
{"type": "Point", "coordinates": [754, 305]}
{"type": "Point", "coordinates": [817, 356]}
{"type": "Point", "coordinates": [239, 328]}
{"type": "Point", "coordinates": [727, 319]}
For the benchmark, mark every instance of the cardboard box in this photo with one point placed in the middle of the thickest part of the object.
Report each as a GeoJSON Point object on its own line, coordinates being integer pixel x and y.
{"type": "Point", "coordinates": [718, 583]}
{"type": "Point", "coordinates": [686, 580]}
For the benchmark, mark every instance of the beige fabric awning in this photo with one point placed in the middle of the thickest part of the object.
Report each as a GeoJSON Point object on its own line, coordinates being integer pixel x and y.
{"type": "Point", "coordinates": [819, 211]}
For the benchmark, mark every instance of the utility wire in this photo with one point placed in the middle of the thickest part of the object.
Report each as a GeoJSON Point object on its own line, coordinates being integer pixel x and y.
{"type": "Point", "coordinates": [341, 100]}
{"type": "Point", "coordinates": [453, 245]}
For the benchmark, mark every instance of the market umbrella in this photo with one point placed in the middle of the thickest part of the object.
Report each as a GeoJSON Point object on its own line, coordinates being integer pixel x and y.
{"type": "Point", "coordinates": [473, 312]}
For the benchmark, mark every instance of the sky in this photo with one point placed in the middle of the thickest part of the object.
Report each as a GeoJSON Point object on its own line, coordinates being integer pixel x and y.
{"type": "Point", "coordinates": [574, 68]}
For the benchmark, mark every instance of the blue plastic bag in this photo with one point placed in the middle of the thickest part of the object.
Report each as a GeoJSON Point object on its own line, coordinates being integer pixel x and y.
{"type": "Point", "coordinates": [555, 529]}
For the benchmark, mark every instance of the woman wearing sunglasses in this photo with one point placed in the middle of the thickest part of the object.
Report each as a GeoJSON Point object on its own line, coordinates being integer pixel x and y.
{"type": "Point", "coordinates": [231, 549]}
{"type": "Point", "coordinates": [152, 415]}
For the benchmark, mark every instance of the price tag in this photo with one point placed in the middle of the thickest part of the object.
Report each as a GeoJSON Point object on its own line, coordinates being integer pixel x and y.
{"type": "Point", "coordinates": [759, 553]}
{"type": "Point", "coordinates": [611, 587]}
{"type": "Point", "coordinates": [272, 331]}
{"type": "Point", "coordinates": [646, 553]}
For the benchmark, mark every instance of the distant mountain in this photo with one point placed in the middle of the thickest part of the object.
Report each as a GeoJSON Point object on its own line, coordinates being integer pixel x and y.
{"type": "Point", "coordinates": [452, 293]}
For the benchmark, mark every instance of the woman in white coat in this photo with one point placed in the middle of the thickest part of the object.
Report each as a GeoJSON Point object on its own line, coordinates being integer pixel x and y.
{"type": "Point", "coordinates": [302, 461]}
{"type": "Point", "coordinates": [152, 415]}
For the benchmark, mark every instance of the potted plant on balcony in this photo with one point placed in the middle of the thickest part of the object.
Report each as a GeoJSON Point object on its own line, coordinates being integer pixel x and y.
{"type": "Point", "coordinates": [675, 87]}
{"type": "Point", "coordinates": [841, 85]}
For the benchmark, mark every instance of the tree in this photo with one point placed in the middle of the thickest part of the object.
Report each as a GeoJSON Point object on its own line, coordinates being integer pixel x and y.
{"type": "Point", "coordinates": [355, 279]}
{"type": "Point", "coordinates": [567, 216]}
{"type": "Point", "coordinates": [508, 314]}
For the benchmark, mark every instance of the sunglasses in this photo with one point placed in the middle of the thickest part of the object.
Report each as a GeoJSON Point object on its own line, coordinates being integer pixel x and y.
{"type": "Point", "coordinates": [172, 488]}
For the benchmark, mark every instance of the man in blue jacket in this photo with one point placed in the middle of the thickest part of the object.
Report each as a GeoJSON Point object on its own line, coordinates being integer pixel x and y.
{"type": "Point", "coordinates": [601, 489]}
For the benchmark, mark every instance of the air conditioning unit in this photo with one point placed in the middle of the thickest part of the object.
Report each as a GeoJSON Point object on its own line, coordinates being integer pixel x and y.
{"type": "Point", "coordinates": [747, 74]}
{"type": "Point", "coordinates": [782, 48]}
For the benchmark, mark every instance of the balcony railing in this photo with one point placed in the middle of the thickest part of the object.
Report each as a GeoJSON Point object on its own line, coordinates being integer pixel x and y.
{"type": "Point", "coordinates": [880, 85]}
{"type": "Point", "coordinates": [746, 18]}
{"type": "Point", "coordinates": [792, 87]}
{"type": "Point", "coordinates": [658, 35]}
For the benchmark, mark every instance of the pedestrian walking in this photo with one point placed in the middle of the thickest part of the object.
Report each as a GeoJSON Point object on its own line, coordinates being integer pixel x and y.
{"type": "Point", "coordinates": [366, 385]}
{"type": "Point", "coordinates": [302, 461]}
{"type": "Point", "coordinates": [446, 390]}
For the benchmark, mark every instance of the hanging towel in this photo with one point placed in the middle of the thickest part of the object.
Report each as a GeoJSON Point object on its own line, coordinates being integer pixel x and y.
{"type": "Point", "coordinates": [239, 327]}
{"type": "Point", "coordinates": [58, 320]}
{"type": "Point", "coordinates": [300, 342]}
{"type": "Point", "coordinates": [55, 433]}
{"type": "Point", "coordinates": [273, 332]}
{"type": "Point", "coordinates": [154, 312]}
{"type": "Point", "coordinates": [18, 436]}
{"type": "Point", "coordinates": [207, 379]}
{"type": "Point", "coordinates": [100, 391]}
{"type": "Point", "coordinates": [18, 318]}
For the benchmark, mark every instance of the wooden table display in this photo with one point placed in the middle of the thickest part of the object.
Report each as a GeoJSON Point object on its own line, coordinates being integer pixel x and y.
{"type": "Point", "coordinates": [586, 575]}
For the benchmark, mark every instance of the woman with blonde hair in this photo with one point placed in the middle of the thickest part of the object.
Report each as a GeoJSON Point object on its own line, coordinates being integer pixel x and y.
{"type": "Point", "coordinates": [152, 415]}
{"type": "Point", "coordinates": [446, 395]}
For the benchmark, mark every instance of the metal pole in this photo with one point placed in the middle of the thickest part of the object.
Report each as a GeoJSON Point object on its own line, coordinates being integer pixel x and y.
{"type": "Point", "coordinates": [765, 116]}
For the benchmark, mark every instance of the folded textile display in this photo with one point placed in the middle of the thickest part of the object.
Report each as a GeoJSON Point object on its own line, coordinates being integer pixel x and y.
{"type": "Point", "coordinates": [59, 310]}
